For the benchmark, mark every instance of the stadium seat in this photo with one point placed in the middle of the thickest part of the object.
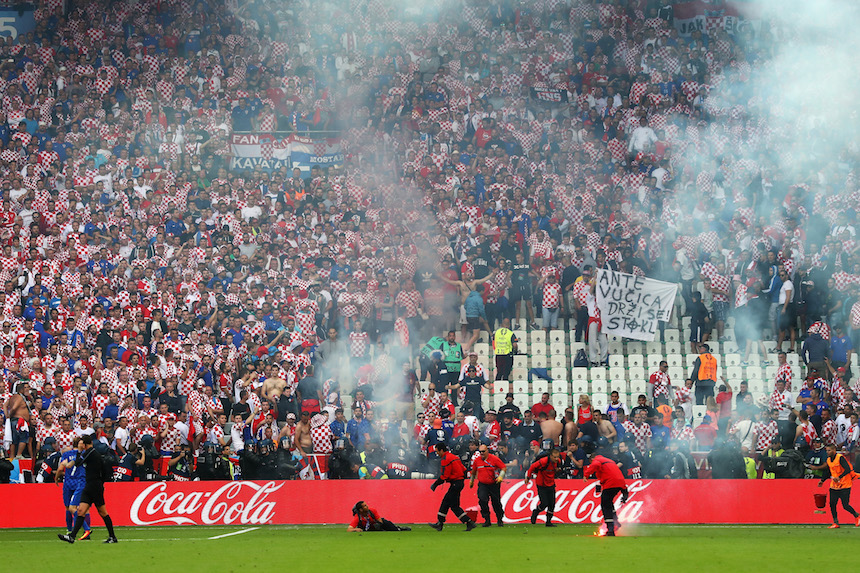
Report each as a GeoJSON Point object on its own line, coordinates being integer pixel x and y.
{"type": "Point", "coordinates": [579, 387]}
{"type": "Point", "coordinates": [540, 386]}
{"type": "Point", "coordinates": [599, 387]}
{"type": "Point", "coordinates": [637, 386]}
{"type": "Point", "coordinates": [576, 347]}
{"type": "Point", "coordinates": [618, 385]}
{"type": "Point", "coordinates": [794, 360]}
{"type": "Point", "coordinates": [600, 401]}
{"type": "Point", "coordinates": [579, 373]}
{"type": "Point", "coordinates": [754, 360]}
{"type": "Point", "coordinates": [756, 385]}
{"type": "Point", "coordinates": [522, 401]}
{"type": "Point", "coordinates": [482, 348]}
{"type": "Point", "coordinates": [499, 401]}
{"type": "Point", "coordinates": [522, 340]}
{"type": "Point", "coordinates": [654, 347]}
{"type": "Point", "coordinates": [753, 372]}
{"type": "Point", "coordinates": [675, 360]}
{"type": "Point", "coordinates": [672, 335]}
{"type": "Point", "coordinates": [538, 338]}
{"type": "Point", "coordinates": [729, 346]}
{"type": "Point", "coordinates": [519, 374]}
{"type": "Point", "coordinates": [733, 360]}
{"type": "Point", "coordinates": [521, 361]}
{"type": "Point", "coordinates": [652, 361]}
{"type": "Point", "coordinates": [560, 373]}
{"type": "Point", "coordinates": [676, 375]}
{"type": "Point", "coordinates": [636, 374]}
{"type": "Point", "coordinates": [673, 347]}
{"type": "Point", "coordinates": [770, 372]}
{"type": "Point", "coordinates": [539, 361]}
{"type": "Point", "coordinates": [686, 321]}
{"type": "Point", "coordinates": [559, 403]}
{"type": "Point", "coordinates": [734, 373]}
{"type": "Point", "coordinates": [597, 373]}
{"type": "Point", "coordinates": [501, 387]}
{"type": "Point", "coordinates": [560, 387]}
{"type": "Point", "coordinates": [616, 348]}
{"type": "Point", "coordinates": [520, 386]}
{"type": "Point", "coordinates": [558, 348]}
{"type": "Point", "coordinates": [698, 413]}
{"type": "Point", "coordinates": [558, 360]}
{"type": "Point", "coordinates": [616, 361]}
{"type": "Point", "coordinates": [635, 347]}
{"type": "Point", "coordinates": [616, 373]}
{"type": "Point", "coordinates": [557, 336]}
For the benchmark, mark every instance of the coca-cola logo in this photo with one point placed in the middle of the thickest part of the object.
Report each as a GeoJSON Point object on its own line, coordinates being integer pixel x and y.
{"type": "Point", "coordinates": [571, 505]}
{"type": "Point", "coordinates": [242, 502]}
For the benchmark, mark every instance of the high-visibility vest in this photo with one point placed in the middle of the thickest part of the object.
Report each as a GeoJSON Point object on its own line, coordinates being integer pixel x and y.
{"type": "Point", "coordinates": [835, 466]}
{"type": "Point", "coordinates": [503, 341]}
{"type": "Point", "coordinates": [707, 367]}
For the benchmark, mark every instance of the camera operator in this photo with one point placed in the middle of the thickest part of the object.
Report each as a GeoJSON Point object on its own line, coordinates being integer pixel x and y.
{"type": "Point", "coordinates": [249, 460]}
{"type": "Point", "coordinates": [268, 456]}
{"type": "Point", "coordinates": [181, 464]}
{"type": "Point", "coordinates": [340, 464]}
{"type": "Point", "coordinates": [51, 451]}
{"type": "Point", "coordinates": [130, 463]}
{"type": "Point", "coordinates": [147, 470]}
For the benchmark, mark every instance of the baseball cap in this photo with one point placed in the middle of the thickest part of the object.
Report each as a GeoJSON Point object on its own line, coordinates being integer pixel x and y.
{"type": "Point", "coordinates": [291, 416]}
{"type": "Point", "coordinates": [534, 443]}
{"type": "Point", "coordinates": [509, 395]}
{"type": "Point", "coordinates": [493, 412]}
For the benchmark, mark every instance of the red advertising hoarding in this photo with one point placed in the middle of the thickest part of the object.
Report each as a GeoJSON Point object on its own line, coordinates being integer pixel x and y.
{"type": "Point", "coordinates": [409, 501]}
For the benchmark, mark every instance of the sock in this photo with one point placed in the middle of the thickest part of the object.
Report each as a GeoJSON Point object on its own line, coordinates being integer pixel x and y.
{"type": "Point", "coordinates": [109, 524]}
{"type": "Point", "coordinates": [79, 522]}
{"type": "Point", "coordinates": [549, 517]}
{"type": "Point", "coordinates": [535, 513]}
{"type": "Point", "coordinates": [70, 520]}
{"type": "Point", "coordinates": [87, 522]}
{"type": "Point", "coordinates": [610, 526]}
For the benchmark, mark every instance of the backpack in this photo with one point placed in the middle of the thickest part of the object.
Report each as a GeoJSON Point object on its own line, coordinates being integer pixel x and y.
{"type": "Point", "coordinates": [581, 359]}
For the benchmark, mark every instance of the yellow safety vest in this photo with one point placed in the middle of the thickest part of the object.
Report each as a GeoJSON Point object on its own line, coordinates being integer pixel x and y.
{"type": "Point", "coordinates": [503, 341]}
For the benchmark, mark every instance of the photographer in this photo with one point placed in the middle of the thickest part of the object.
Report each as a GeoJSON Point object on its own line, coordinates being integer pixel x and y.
{"type": "Point", "coordinates": [181, 465]}
{"type": "Point", "coordinates": [366, 518]}
{"type": "Point", "coordinates": [148, 453]}
{"type": "Point", "coordinates": [130, 463]}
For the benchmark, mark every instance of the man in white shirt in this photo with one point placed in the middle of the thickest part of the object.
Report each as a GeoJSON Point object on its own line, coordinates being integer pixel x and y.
{"type": "Point", "coordinates": [786, 318]}
{"type": "Point", "coordinates": [121, 435]}
{"type": "Point", "coordinates": [642, 138]}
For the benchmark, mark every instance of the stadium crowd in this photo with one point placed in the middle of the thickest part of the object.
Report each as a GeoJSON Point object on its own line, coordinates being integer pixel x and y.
{"type": "Point", "coordinates": [207, 320]}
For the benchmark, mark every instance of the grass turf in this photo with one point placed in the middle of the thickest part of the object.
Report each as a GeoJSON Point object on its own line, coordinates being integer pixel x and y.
{"type": "Point", "coordinates": [323, 548]}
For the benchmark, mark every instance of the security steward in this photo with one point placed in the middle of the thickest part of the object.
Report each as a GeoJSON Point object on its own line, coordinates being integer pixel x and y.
{"type": "Point", "coordinates": [504, 347]}
{"type": "Point", "coordinates": [704, 374]}
{"type": "Point", "coordinates": [841, 476]}
{"type": "Point", "coordinates": [489, 470]}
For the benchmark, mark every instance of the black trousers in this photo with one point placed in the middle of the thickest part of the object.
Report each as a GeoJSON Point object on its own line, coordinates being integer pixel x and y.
{"type": "Point", "coordinates": [504, 365]}
{"type": "Point", "coordinates": [451, 501]}
{"type": "Point", "coordinates": [383, 525]}
{"type": "Point", "coordinates": [581, 322]}
{"type": "Point", "coordinates": [607, 505]}
{"type": "Point", "coordinates": [546, 501]}
{"type": "Point", "coordinates": [704, 390]}
{"type": "Point", "coordinates": [786, 429]}
{"type": "Point", "coordinates": [841, 495]}
{"type": "Point", "coordinates": [488, 492]}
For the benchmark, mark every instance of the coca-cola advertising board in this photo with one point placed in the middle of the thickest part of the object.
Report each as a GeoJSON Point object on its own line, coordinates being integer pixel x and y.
{"type": "Point", "coordinates": [409, 501]}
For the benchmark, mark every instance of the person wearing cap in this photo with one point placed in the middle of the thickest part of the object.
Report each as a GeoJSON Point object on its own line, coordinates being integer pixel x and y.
{"type": "Point", "coordinates": [504, 348]}
{"type": "Point", "coordinates": [509, 406]}
{"type": "Point", "coordinates": [473, 382]}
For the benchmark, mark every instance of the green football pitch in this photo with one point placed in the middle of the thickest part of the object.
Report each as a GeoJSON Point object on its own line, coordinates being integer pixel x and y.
{"type": "Point", "coordinates": [331, 548]}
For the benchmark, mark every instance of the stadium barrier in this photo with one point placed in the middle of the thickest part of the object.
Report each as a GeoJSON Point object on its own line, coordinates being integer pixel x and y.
{"type": "Point", "coordinates": [409, 501]}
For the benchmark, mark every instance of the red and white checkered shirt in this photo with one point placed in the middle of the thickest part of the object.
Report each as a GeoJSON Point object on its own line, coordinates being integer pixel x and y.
{"type": "Point", "coordinates": [551, 295]}
{"type": "Point", "coordinates": [661, 383]}
{"type": "Point", "coordinates": [640, 434]}
{"type": "Point", "coordinates": [410, 301]}
{"type": "Point", "coordinates": [828, 432]}
{"type": "Point", "coordinates": [765, 432]}
{"type": "Point", "coordinates": [683, 433]}
{"type": "Point", "coordinates": [683, 394]}
{"type": "Point", "coordinates": [358, 343]}
{"type": "Point", "coordinates": [785, 374]}
{"type": "Point", "coordinates": [64, 439]}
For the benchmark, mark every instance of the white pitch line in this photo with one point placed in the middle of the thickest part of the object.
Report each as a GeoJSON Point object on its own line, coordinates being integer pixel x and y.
{"type": "Point", "coordinates": [240, 532]}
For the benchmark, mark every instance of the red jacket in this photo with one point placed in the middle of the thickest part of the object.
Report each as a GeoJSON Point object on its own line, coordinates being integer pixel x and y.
{"type": "Point", "coordinates": [544, 471]}
{"type": "Point", "coordinates": [487, 471]}
{"type": "Point", "coordinates": [606, 471]}
{"type": "Point", "coordinates": [452, 468]}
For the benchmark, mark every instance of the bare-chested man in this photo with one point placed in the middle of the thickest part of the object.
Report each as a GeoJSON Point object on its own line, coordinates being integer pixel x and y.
{"type": "Point", "coordinates": [466, 286]}
{"type": "Point", "coordinates": [18, 407]}
{"type": "Point", "coordinates": [571, 430]}
{"type": "Point", "coordinates": [303, 441]}
{"type": "Point", "coordinates": [550, 427]}
{"type": "Point", "coordinates": [605, 427]}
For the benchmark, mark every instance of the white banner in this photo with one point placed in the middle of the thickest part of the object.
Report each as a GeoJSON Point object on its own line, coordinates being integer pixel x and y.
{"type": "Point", "coordinates": [630, 306]}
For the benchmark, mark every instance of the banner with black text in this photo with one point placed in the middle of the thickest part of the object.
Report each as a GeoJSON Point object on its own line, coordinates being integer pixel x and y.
{"type": "Point", "coordinates": [630, 305]}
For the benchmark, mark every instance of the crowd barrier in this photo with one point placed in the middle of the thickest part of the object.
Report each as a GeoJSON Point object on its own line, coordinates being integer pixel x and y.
{"type": "Point", "coordinates": [411, 501]}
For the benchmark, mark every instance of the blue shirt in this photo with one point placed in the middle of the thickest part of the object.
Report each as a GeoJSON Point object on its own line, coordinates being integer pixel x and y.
{"type": "Point", "coordinates": [356, 430]}
{"type": "Point", "coordinates": [840, 347]}
{"type": "Point", "coordinates": [75, 476]}
{"type": "Point", "coordinates": [338, 429]}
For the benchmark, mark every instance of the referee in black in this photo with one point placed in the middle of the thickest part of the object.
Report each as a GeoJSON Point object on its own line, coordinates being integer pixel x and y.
{"type": "Point", "coordinates": [94, 490]}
